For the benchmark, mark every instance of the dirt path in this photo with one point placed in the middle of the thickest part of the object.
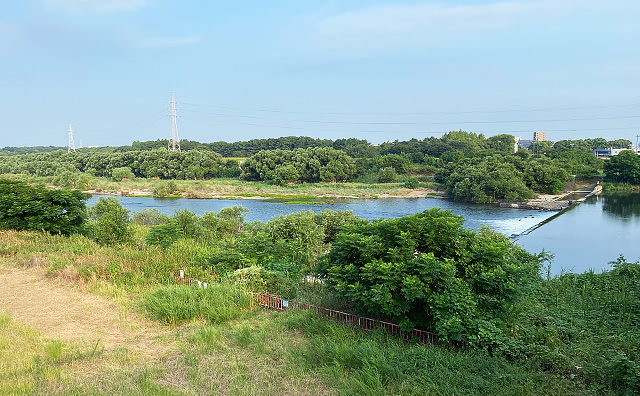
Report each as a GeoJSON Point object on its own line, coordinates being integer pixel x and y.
{"type": "Point", "coordinates": [62, 312]}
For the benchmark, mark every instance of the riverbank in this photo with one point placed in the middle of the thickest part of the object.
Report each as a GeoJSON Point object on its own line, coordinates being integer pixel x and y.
{"type": "Point", "coordinates": [238, 189]}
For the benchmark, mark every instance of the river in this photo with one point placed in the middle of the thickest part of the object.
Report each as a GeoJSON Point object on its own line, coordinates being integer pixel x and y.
{"type": "Point", "coordinates": [582, 237]}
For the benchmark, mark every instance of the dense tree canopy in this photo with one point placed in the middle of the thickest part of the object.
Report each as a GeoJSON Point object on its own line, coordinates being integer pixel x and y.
{"type": "Point", "coordinates": [624, 167]}
{"type": "Point", "coordinates": [300, 165]}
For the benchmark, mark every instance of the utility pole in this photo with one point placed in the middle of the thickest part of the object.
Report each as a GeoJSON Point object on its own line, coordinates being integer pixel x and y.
{"type": "Point", "coordinates": [174, 143]}
{"type": "Point", "coordinates": [72, 145]}
{"type": "Point", "coordinates": [637, 136]}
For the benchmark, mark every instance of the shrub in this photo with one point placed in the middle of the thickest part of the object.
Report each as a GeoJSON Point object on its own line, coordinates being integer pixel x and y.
{"type": "Point", "coordinates": [426, 270]}
{"type": "Point", "coordinates": [36, 208]}
{"type": "Point", "coordinates": [150, 217]}
{"type": "Point", "coordinates": [412, 183]}
{"type": "Point", "coordinates": [111, 222]}
{"type": "Point", "coordinates": [387, 175]}
{"type": "Point", "coordinates": [163, 235]}
{"type": "Point", "coordinates": [122, 173]}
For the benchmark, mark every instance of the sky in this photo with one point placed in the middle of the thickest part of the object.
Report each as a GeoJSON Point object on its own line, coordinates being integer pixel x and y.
{"type": "Point", "coordinates": [374, 70]}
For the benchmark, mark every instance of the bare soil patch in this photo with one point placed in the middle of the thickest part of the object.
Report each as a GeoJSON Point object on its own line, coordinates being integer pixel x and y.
{"type": "Point", "coordinates": [59, 311]}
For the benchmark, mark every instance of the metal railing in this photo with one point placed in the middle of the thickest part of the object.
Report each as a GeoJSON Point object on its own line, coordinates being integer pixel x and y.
{"type": "Point", "coordinates": [282, 304]}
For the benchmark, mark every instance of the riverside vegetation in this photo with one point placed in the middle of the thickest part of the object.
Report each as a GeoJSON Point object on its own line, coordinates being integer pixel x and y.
{"type": "Point", "coordinates": [468, 166]}
{"type": "Point", "coordinates": [506, 327]}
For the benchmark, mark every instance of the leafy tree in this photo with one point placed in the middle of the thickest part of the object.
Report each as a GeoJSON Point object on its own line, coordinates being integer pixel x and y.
{"type": "Point", "coordinates": [122, 173]}
{"type": "Point", "coordinates": [36, 208]}
{"type": "Point", "coordinates": [216, 226]}
{"type": "Point", "coordinates": [150, 217]}
{"type": "Point", "coordinates": [426, 270]}
{"type": "Point", "coordinates": [624, 167]}
{"type": "Point", "coordinates": [111, 222]}
{"type": "Point", "coordinates": [332, 221]}
{"type": "Point", "coordinates": [387, 175]}
{"type": "Point", "coordinates": [301, 230]}
{"type": "Point", "coordinates": [187, 222]}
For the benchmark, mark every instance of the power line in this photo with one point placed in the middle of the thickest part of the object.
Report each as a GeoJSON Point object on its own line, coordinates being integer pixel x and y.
{"type": "Point", "coordinates": [415, 123]}
{"type": "Point", "coordinates": [421, 113]}
{"type": "Point", "coordinates": [397, 131]}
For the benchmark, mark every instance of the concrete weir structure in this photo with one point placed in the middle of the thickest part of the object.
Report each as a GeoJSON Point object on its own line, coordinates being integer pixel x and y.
{"type": "Point", "coordinates": [557, 203]}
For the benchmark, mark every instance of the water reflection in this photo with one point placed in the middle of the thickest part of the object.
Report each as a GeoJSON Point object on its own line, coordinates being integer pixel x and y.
{"type": "Point", "coordinates": [624, 206]}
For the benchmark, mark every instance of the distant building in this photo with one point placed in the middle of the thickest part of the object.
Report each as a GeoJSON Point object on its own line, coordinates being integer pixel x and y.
{"type": "Point", "coordinates": [524, 143]}
{"type": "Point", "coordinates": [515, 146]}
{"type": "Point", "coordinates": [540, 136]}
{"type": "Point", "coordinates": [608, 153]}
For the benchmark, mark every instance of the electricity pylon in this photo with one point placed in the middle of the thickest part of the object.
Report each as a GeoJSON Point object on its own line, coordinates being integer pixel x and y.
{"type": "Point", "coordinates": [174, 143]}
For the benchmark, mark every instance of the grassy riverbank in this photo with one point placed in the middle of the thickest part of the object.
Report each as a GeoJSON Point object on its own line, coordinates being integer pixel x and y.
{"type": "Point", "coordinates": [252, 352]}
{"type": "Point", "coordinates": [580, 331]}
{"type": "Point", "coordinates": [235, 188]}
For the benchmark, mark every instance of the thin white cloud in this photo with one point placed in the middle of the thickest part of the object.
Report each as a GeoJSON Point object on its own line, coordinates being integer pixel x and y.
{"type": "Point", "coordinates": [155, 42]}
{"type": "Point", "coordinates": [96, 6]}
{"type": "Point", "coordinates": [429, 19]}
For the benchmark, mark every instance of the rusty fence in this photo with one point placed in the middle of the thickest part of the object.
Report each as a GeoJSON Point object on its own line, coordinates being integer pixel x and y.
{"type": "Point", "coordinates": [282, 304]}
{"type": "Point", "coordinates": [423, 337]}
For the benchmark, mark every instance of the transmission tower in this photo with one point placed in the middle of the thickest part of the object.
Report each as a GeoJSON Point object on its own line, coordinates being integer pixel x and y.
{"type": "Point", "coordinates": [174, 143]}
{"type": "Point", "coordinates": [72, 145]}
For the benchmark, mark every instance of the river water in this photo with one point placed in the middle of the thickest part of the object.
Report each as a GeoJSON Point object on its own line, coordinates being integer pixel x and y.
{"type": "Point", "coordinates": [582, 237]}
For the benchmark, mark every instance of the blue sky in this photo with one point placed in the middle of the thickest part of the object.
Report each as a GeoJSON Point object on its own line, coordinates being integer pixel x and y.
{"type": "Point", "coordinates": [375, 70]}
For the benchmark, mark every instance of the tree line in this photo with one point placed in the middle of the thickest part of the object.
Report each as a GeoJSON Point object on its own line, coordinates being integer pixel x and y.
{"type": "Point", "coordinates": [470, 166]}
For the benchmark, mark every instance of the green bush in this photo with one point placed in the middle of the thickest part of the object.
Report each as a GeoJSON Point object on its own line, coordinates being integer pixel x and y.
{"type": "Point", "coordinates": [412, 183]}
{"type": "Point", "coordinates": [36, 208]}
{"type": "Point", "coordinates": [426, 270]}
{"type": "Point", "coordinates": [111, 223]}
{"type": "Point", "coordinates": [163, 235]}
{"type": "Point", "coordinates": [387, 175]}
{"type": "Point", "coordinates": [150, 217]}
{"type": "Point", "coordinates": [122, 173]}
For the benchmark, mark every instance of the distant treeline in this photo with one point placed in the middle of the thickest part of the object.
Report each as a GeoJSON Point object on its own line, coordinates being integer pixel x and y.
{"type": "Point", "coordinates": [469, 143]}
{"type": "Point", "coordinates": [470, 166]}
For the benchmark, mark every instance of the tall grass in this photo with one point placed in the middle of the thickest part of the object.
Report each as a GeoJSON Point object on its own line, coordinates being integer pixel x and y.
{"type": "Point", "coordinates": [216, 303]}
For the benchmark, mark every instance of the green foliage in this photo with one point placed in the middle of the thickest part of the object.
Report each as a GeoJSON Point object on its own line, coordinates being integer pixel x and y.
{"type": "Point", "coordinates": [122, 173]}
{"type": "Point", "coordinates": [485, 180]}
{"type": "Point", "coordinates": [624, 167]}
{"type": "Point", "coordinates": [426, 270]}
{"type": "Point", "coordinates": [374, 363]}
{"type": "Point", "coordinates": [400, 163]}
{"type": "Point", "coordinates": [187, 221]}
{"type": "Point", "coordinates": [36, 208]}
{"type": "Point", "coordinates": [585, 324]}
{"type": "Point", "coordinates": [164, 189]}
{"type": "Point", "coordinates": [150, 217]}
{"type": "Point", "coordinates": [387, 175]}
{"type": "Point", "coordinates": [111, 223]}
{"type": "Point", "coordinates": [333, 221]}
{"type": "Point", "coordinates": [163, 235]}
{"type": "Point", "coordinates": [216, 303]}
{"type": "Point", "coordinates": [412, 183]}
{"type": "Point", "coordinates": [301, 230]}
{"type": "Point", "coordinates": [216, 226]}
{"type": "Point", "coordinates": [300, 165]}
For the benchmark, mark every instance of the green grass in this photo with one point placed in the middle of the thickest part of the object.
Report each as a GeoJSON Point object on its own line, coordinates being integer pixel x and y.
{"type": "Point", "coordinates": [216, 303]}
{"type": "Point", "coordinates": [588, 321]}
